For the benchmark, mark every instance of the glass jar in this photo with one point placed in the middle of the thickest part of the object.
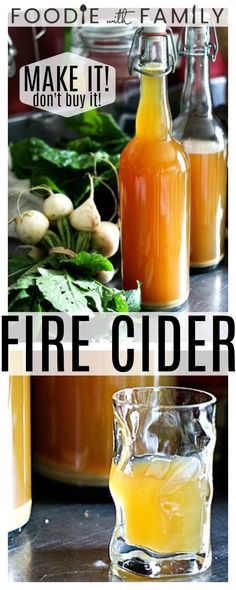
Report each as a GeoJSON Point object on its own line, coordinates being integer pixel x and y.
{"type": "Point", "coordinates": [204, 138]}
{"type": "Point", "coordinates": [154, 185]}
{"type": "Point", "coordinates": [72, 425]}
{"type": "Point", "coordinates": [109, 45]}
{"type": "Point", "coordinates": [19, 441]}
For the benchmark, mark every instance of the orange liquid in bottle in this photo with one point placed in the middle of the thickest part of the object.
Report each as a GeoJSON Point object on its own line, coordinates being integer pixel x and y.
{"type": "Point", "coordinates": [72, 424]}
{"type": "Point", "coordinates": [208, 202]}
{"type": "Point", "coordinates": [20, 498]}
{"type": "Point", "coordinates": [154, 196]}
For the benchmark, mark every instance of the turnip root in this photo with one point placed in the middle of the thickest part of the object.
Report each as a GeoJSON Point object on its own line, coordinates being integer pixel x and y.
{"type": "Point", "coordinates": [57, 205]}
{"type": "Point", "coordinates": [31, 227]}
{"type": "Point", "coordinates": [86, 217]}
{"type": "Point", "coordinates": [105, 239]}
{"type": "Point", "coordinates": [105, 276]}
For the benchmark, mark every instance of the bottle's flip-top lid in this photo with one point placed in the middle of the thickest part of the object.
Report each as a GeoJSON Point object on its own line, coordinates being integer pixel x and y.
{"type": "Point", "coordinates": [158, 29]}
{"type": "Point", "coordinates": [150, 44]}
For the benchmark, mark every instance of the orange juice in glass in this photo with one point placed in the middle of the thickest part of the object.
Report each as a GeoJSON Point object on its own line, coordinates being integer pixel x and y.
{"type": "Point", "coordinates": [161, 480]}
{"type": "Point", "coordinates": [169, 495]}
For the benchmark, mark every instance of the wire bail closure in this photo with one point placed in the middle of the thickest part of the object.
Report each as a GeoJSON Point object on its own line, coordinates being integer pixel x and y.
{"type": "Point", "coordinates": [134, 64]}
{"type": "Point", "coordinates": [210, 49]}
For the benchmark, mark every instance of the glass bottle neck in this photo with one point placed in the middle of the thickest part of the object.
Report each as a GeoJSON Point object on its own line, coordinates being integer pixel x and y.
{"type": "Point", "coordinates": [153, 120]}
{"type": "Point", "coordinates": [196, 94]}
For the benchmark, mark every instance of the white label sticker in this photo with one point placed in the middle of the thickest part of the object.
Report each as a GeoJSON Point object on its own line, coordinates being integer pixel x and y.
{"type": "Point", "coordinates": [67, 84]}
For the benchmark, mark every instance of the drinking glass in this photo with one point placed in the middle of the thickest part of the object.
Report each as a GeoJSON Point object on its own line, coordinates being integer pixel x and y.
{"type": "Point", "coordinates": [161, 480]}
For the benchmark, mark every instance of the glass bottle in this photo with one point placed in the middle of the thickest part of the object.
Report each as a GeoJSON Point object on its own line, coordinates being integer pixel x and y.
{"type": "Point", "coordinates": [154, 185]}
{"type": "Point", "coordinates": [204, 138]}
{"type": "Point", "coordinates": [19, 452]}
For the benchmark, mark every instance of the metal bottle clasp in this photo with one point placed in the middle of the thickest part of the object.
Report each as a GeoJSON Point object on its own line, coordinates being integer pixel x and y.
{"type": "Point", "coordinates": [134, 54]}
{"type": "Point", "coordinates": [210, 49]}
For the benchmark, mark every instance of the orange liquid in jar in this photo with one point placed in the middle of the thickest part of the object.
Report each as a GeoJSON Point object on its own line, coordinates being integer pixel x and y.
{"type": "Point", "coordinates": [72, 422]}
{"type": "Point", "coordinates": [20, 498]}
{"type": "Point", "coordinates": [208, 202]}
{"type": "Point", "coordinates": [154, 196]}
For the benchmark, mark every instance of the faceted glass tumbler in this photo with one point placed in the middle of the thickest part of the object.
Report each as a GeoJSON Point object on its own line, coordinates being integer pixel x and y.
{"type": "Point", "coordinates": [161, 480]}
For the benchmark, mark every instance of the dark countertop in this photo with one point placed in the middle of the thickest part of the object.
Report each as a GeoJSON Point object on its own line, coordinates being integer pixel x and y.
{"type": "Point", "coordinates": [67, 537]}
{"type": "Point", "coordinates": [209, 290]}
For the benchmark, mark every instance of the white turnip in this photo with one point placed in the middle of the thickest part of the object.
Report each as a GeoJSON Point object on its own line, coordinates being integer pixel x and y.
{"type": "Point", "coordinates": [105, 276]}
{"type": "Point", "coordinates": [105, 239]}
{"type": "Point", "coordinates": [57, 205]}
{"type": "Point", "coordinates": [86, 217]}
{"type": "Point", "coordinates": [31, 227]}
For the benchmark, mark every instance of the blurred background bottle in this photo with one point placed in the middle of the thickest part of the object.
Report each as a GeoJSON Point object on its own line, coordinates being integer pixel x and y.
{"type": "Point", "coordinates": [19, 452]}
{"type": "Point", "coordinates": [72, 426]}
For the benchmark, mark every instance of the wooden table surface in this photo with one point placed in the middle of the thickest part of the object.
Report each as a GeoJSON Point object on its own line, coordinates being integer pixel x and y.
{"type": "Point", "coordinates": [67, 538]}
